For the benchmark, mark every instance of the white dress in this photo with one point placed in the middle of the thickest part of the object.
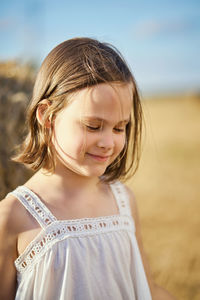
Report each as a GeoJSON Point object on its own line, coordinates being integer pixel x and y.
{"type": "Point", "coordinates": [81, 259]}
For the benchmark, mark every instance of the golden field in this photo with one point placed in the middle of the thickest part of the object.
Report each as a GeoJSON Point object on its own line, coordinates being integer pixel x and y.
{"type": "Point", "coordinates": [167, 189]}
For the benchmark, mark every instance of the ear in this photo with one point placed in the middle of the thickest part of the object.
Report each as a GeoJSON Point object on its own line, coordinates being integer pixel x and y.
{"type": "Point", "coordinates": [41, 109]}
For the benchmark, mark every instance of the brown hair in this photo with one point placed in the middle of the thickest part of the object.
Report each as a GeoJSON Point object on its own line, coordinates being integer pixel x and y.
{"type": "Point", "coordinates": [73, 65]}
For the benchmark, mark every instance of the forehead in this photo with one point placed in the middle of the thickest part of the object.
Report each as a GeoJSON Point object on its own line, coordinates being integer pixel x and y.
{"type": "Point", "coordinates": [110, 101]}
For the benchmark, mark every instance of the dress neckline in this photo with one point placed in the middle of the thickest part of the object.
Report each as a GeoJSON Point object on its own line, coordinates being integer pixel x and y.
{"type": "Point", "coordinates": [38, 200]}
{"type": "Point", "coordinates": [54, 230]}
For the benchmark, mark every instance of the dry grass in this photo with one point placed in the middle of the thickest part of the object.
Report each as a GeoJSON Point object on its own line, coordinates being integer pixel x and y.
{"type": "Point", "coordinates": [168, 193]}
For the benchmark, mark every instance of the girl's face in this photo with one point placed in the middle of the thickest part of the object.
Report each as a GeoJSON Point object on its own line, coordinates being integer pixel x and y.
{"type": "Point", "coordinates": [90, 132]}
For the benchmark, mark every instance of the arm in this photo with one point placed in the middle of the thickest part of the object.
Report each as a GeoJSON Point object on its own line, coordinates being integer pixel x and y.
{"type": "Point", "coordinates": [157, 292]}
{"type": "Point", "coordinates": [8, 238]}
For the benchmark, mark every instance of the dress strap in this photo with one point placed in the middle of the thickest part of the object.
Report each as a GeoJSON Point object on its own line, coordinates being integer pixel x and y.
{"type": "Point", "coordinates": [34, 205]}
{"type": "Point", "coordinates": [122, 198]}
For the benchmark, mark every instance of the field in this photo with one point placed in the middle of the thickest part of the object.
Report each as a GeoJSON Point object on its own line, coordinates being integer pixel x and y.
{"type": "Point", "coordinates": [167, 189]}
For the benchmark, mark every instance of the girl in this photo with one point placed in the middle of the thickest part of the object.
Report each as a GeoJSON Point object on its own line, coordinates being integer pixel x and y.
{"type": "Point", "coordinates": [72, 230]}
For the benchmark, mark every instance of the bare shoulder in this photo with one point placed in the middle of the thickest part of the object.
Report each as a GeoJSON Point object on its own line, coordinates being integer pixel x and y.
{"type": "Point", "coordinates": [9, 210]}
{"type": "Point", "coordinates": [12, 215]}
{"type": "Point", "coordinates": [10, 224]}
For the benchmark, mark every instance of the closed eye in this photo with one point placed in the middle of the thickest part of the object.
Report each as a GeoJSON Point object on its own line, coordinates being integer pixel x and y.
{"type": "Point", "coordinates": [97, 128]}
{"type": "Point", "coordinates": [92, 128]}
{"type": "Point", "coordinates": [119, 129]}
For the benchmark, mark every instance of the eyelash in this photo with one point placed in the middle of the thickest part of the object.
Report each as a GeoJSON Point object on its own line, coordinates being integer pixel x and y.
{"type": "Point", "coordinates": [97, 128]}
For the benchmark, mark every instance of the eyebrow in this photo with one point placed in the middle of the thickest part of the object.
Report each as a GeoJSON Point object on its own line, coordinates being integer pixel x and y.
{"type": "Point", "coordinates": [126, 121]}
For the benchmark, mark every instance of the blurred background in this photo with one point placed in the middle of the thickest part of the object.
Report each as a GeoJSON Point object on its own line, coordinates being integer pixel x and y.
{"type": "Point", "coordinates": [161, 42]}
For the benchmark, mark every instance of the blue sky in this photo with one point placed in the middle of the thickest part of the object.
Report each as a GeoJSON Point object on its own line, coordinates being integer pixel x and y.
{"type": "Point", "coordinates": [159, 39]}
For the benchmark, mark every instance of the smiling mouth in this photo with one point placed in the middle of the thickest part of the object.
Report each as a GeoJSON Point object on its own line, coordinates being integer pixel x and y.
{"type": "Point", "coordinates": [98, 157]}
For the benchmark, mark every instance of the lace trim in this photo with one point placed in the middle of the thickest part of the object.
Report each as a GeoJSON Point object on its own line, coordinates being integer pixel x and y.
{"type": "Point", "coordinates": [34, 205]}
{"type": "Point", "coordinates": [43, 215]}
{"type": "Point", "coordinates": [74, 228]}
{"type": "Point", "coordinates": [121, 197]}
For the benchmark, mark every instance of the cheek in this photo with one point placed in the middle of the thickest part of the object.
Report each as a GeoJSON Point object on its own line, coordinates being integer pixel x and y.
{"type": "Point", "coordinates": [69, 139]}
{"type": "Point", "coordinates": [121, 142]}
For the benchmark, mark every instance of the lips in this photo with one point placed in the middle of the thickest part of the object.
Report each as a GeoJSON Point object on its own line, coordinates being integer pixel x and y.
{"type": "Point", "coordinates": [99, 157]}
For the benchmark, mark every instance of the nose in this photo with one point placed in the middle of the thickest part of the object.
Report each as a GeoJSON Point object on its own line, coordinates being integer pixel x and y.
{"type": "Point", "coordinates": [106, 140]}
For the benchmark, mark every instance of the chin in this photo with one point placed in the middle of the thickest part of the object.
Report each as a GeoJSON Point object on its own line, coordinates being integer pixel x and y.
{"type": "Point", "coordinates": [85, 170]}
{"type": "Point", "coordinates": [96, 172]}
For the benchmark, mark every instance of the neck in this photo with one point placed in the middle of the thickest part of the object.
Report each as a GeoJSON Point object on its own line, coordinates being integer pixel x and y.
{"type": "Point", "coordinates": [65, 181]}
